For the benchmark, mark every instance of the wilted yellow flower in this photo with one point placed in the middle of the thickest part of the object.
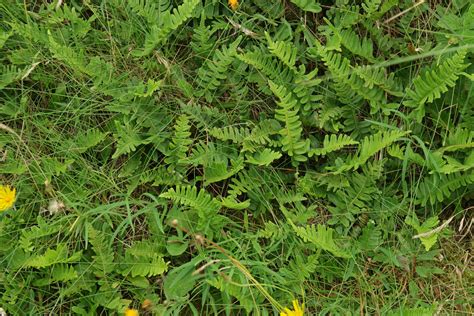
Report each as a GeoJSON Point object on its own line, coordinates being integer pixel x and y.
{"type": "Point", "coordinates": [7, 197]}
{"type": "Point", "coordinates": [298, 311]}
{"type": "Point", "coordinates": [234, 4]}
{"type": "Point", "coordinates": [131, 312]}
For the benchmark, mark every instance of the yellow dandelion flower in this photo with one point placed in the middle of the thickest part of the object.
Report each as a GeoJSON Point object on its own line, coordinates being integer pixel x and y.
{"type": "Point", "coordinates": [298, 310]}
{"type": "Point", "coordinates": [7, 197]}
{"type": "Point", "coordinates": [234, 4]}
{"type": "Point", "coordinates": [131, 312]}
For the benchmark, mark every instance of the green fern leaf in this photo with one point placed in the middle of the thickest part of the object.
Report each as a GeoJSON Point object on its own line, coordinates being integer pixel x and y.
{"type": "Point", "coordinates": [267, 65]}
{"type": "Point", "coordinates": [369, 146]}
{"type": "Point", "coordinates": [321, 237]}
{"type": "Point", "coordinates": [104, 254]}
{"type": "Point", "coordinates": [180, 142]}
{"type": "Point", "coordinates": [235, 134]}
{"type": "Point", "coordinates": [87, 140]}
{"type": "Point", "coordinates": [214, 71]}
{"type": "Point", "coordinates": [355, 45]}
{"type": "Point", "coordinates": [143, 259]}
{"type": "Point", "coordinates": [287, 113]}
{"type": "Point", "coordinates": [152, 11]}
{"type": "Point", "coordinates": [53, 256]}
{"type": "Point", "coordinates": [263, 158]}
{"type": "Point", "coordinates": [285, 51]}
{"type": "Point", "coordinates": [332, 143]}
{"type": "Point", "coordinates": [189, 196]}
{"type": "Point", "coordinates": [171, 22]}
{"type": "Point", "coordinates": [429, 86]}
{"type": "Point", "coordinates": [438, 187]}
{"type": "Point", "coordinates": [218, 170]}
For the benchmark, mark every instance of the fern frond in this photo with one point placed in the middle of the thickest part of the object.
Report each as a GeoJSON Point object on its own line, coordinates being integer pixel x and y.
{"type": "Point", "coordinates": [172, 20]}
{"type": "Point", "coordinates": [438, 187]}
{"type": "Point", "coordinates": [332, 143]}
{"type": "Point", "coordinates": [10, 74]}
{"type": "Point", "coordinates": [321, 237]}
{"type": "Point", "coordinates": [271, 68]}
{"type": "Point", "coordinates": [128, 138]}
{"type": "Point", "coordinates": [287, 113]}
{"type": "Point", "coordinates": [180, 142]}
{"type": "Point", "coordinates": [376, 77]}
{"type": "Point", "coordinates": [343, 73]}
{"type": "Point", "coordinates": [362, 47]}
{"type": "Point", "coordinates": [429, 85]}
{"type": "Point", "coordinates": [143, 259]}
{"type": "Point", "coordinates": [104, 254]}
{"type": "Point", "coordinates": [202, 41]}
{"type": "Point", "coordinates": [35, 232]}
{"type": "Point", "coordinates": [87, 140]}
{"type": "Point", "coordinates": [214, 71]}
{"type": "Point", "coordinates": [152, 11]}
{"type": "Point", "coordinates": [53, 256]}
{"type": "Point", "coordinates": [189, 196]}
{"type": "Point", "coordinates": [459, 139]}
{"type": "Point", "coordinates": [284, 51]}
{"type": "Point", "coordinates": [232, 133]}
{"type": "Point", "coordinates": [219, 170]}
{"type": "Point", "coordinates": [264, 157]}
{"type": "Point", "coordinates": [260, 134]}
{"type": "Point", "coordinates": [369, 146]}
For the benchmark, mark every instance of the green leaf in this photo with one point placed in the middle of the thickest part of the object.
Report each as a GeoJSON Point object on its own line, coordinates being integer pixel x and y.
{"type": "Point", "coordinates": [176, 245]}
{"type": "Point", "coordinates": [181, 280]}
{"type": "Point", "coordinates": [308, 5]}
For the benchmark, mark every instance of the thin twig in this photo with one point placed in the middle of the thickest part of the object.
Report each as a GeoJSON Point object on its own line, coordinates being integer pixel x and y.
{"type": "Point", "coordinates": [403, 12]}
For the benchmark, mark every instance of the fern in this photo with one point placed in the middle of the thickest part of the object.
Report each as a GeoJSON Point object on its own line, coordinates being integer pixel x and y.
{"type": "Point", "coordinates": [354, 44]}
{"type": "Point", "coordinates": [219, 170]}
{"type": "Point", "coordinates": [459, 139]}
{"type": "Point", "coordinates": [285, 51]}
{"type": "Point", "coordinates": [214, 71]}
{"type": "Point", "coordinates": [36, 232]}
{"type": "Point", "coordinates": [332, 143]}
{"type": "Point", "coordinates": [180, 142]}
{"type": "Point", "coordinates": [189, 196]}
{"type": "Point", "coordinates": [260, 135]}
{"type": "Point", "coordinates": [263, 158]}
{"type": "Point", "coordinates": [53, 256]}
{"type": "Point", "coordinates": [436, 188]}
{"type": "Point", "coordinates": [202, 41]}
{"type": "Point", "coordinates": [87, 140]}
{"type": "Point", "coordinates": [231, 202]}
{"type": "Point", "coordinates": [271, 68]}
{"type": "Point", "coordinates": [291, 132]}
{"type": "Point", "coordinates": [74, 58]}
{"type": "Point", "coordinates": [104, 254]}
{"type": "Point", "coordinates": [10, 74]}
{"type": "Point", "coordinates": [142, 259]}
{"type": "Point", "coordinates": [347, 78]}
{"type": "Point", "coordinates": [305, 85]}
{"type": "Point", "coordinates": [242, 292]}
{"type": "Point", "coordinates": [429, 86]}
{"type": "Point", "coordinates": [321, 237]}
{"type": "Point", "coordinates": [369, 146]}
{"type": "Point", "coordinates": [128, 138]}
{"type": "Point", "coordinates": [171, 22]}
{"type": "Point", "coordinates": [152, 11]}
{"type": "Point", "coordinates": [235, 134]}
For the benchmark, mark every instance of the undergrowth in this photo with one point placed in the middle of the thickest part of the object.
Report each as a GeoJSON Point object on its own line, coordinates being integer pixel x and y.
{"type": "Point", "coordinates": [195, 158]}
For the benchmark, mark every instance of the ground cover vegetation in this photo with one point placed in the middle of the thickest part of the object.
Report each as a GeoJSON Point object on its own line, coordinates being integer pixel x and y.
{"type": "Point", "coordinates": [199, 157]}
